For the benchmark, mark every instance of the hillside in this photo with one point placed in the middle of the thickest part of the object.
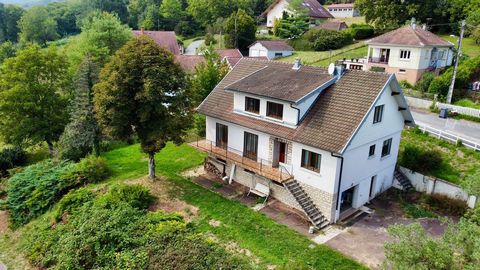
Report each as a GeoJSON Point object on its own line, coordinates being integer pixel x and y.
{"type": "Point", "coordinates": [28, 3]}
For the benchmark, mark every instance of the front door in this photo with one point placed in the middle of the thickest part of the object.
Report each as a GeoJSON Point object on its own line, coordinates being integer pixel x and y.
{"type": "Point", "coordinates": [347, 199]}
{"type": "Point", "coordinates": [279, 153]}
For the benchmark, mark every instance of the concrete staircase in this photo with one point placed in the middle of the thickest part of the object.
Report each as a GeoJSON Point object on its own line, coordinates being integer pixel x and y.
{"type": "Point", "coordinates": [403, 180]}
{"type": "Point", "coordinates": [316, 217]}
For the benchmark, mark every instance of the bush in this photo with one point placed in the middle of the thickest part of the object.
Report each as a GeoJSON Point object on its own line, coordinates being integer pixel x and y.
{"type": "Point", "coordinates": [473, 215]}
{"type": "Point", "coordinates": [73, 201]}
{"type": "Point", "coordinates": [405, 84]}
{"type": "Point", "coordinates": [209, 39]}
{"type": "Point", "coordinates": [137, 196]}
{"type": "Point", "coordinates": [323, 39]}
{"type": "Point", "coordinates": [361, 31]}
{"type": "Point", "coordinates": [10, 158]}
{"type": "Point", "coordinates": [301, 44]}
{"type": "Point", "coordinates": [419, 160]}
{"type": "Point", "coordinates": [424, 83]}
{"type": "Point", "coordinates": [91, 169]}
{"type": "Point", "coordinates": [446, 205]}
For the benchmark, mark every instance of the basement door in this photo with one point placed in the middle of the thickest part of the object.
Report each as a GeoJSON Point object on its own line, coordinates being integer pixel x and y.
{"type": "Point", "coordinates": [279, 153]}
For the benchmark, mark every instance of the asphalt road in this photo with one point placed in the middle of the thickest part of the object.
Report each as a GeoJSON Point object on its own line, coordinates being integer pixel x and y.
{"type": "Point", "coordinates": [466, 129]}
{"type": "Point", "coordinates": [192, 48]}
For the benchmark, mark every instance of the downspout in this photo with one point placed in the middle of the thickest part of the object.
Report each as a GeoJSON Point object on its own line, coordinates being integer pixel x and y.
{"type": "Point", "coordinates": [298, 110]}
{"type": "Point", "coordinates": [339, 183]}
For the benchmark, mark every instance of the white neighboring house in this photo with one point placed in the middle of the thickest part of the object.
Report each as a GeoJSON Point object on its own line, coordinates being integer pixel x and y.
{"type": "Point", "coordinates": [343, 10]}
{"type": "Point", "coordinates": [277, 9]}
{"type": "Point", "coordinates": [269, 48]}
{"type": "Point", "coordinates": [323, 143]}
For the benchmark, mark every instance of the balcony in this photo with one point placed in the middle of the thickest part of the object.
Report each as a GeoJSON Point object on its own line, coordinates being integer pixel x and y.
{"type": "Point", "coordinates": [378, 60]}
{"type": "Point", "coordinates": [259, 166]}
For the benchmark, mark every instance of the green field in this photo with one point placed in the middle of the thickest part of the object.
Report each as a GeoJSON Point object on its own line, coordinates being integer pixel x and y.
{"type": "Point", "coordinates": [469, 47]}
{"type": "Point", "coordinates": [323, 59]}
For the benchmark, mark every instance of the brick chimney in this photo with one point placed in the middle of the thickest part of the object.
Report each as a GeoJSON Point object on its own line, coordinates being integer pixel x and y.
{"type": "Point", "coordinates": [297, 64]}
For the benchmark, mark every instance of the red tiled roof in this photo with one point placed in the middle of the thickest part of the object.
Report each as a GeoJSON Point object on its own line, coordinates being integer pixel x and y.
{"type": "Point", "coordinates": [408, 36]}
{"type": "Point", "coordinates": [235, 53]}
{"type": "Point", "coordinates": [232, 61]}
{"type": "Point", "coordinates": [274, 45]}
{"type": "Point", "coordinates": [164, 39]}
{"type": "Point", "coordinates": [190, 62]}
{"type": "Point", "coordinates": [346, 5]}
{"type": "Point", "coordinates": [336, 26]}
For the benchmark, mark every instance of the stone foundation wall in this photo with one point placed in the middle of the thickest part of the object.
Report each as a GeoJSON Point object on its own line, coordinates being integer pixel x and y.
{"type": "Point", "coordinates": [323, 200]}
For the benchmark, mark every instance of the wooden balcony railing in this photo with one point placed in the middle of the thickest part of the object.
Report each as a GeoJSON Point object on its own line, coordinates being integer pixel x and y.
{"type": "Point", "coordinates": [257, 165]}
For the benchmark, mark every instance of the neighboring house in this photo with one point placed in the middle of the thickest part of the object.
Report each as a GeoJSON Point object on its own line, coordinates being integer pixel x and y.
{"type": "Point", "coordinates": [190, 62]}
{"type": "Point", "coordinates": [343, 10]}
{"type": "Point", "coordinates": [165, 39]}
{"type": "Point", "coordinates": [408, 52]}
{"type": "Point", "coordinates": [270, 49]}
{"type": "Point", "coordinates": [277, 9]}
{"type": "Point", "coordinates": [335, 26]}
{"type": "Point", "coordinates": [325, 144]}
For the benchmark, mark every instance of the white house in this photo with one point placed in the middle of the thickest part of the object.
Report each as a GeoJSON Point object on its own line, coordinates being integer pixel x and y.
{"type": "Point", "coordinates": [343, 10]}
{"type": "Point", "coordinates": [324, 143]}
{"type": "Point", "coordinates": [409, 52]}
{"type": "Point", "coordinates": [270, 49]}
{"type": "Point", "coordinates": [278, 8]}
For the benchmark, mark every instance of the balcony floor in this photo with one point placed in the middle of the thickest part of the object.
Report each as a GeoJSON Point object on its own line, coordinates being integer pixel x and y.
{"type": "Point", "coordinates": [260, 168]}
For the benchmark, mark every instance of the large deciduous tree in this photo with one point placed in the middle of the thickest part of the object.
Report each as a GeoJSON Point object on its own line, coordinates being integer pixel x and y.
{"type": "Point", "coordinates": [36, 25]}
{"type": "Point", "coordinates": [82, 135]}
{"type": "Point", "coordinates": [33, 97]}
{"type": "Point", "coordinates": [144, 92]}
{"type": "Point", "coordinates": [240, 30]}
{"type": "Point", "coordinates": [10, 15]}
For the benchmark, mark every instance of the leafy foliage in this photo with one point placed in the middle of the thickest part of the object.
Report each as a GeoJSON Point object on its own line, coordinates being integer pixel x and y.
{"type": "Point", "coordinates": [324, 39]}
{"type": "Point", "coordinates": [361, 31]}
{"type": "Point", "coordinates": [81, 136]}
{"type": "Point", "coordinates": [143, 91]}
{"type": "Point", "coordinates": [137, 196]}
{"type": "Point", "coordinates": [11, 158]}
{"type": "Point", "coordinates": [419, 160]}
{"type": "Point", "coordinates": [37, 26]}
{"type": "Point", "coordinates": [33, 96]}
{"type": "Point", "coordinates": [292, 27]}
{"type": "Point", "coordinates": [240, 30]}
{"type": "Point", "coordinates": [424, 83]}
{"type": "Point", "coordinates": [10, 15]}
{"type": "Point", "coordinates": [472, 183]}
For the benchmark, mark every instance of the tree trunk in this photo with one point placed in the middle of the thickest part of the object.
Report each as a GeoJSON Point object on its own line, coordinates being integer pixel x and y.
{"type": "Point", "coordinates": [151, 165]}
{"type": "Point", "coordinates": [50, 148]}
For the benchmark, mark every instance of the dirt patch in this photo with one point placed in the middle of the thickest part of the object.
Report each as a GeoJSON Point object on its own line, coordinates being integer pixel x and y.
{"type": "Point", "coordinates": [214, 223]}
{"type": "Point", "coordinates": [195, 172]}
{"type": "Point", "coordinates": [166, 200]}
{"type": "Point", "coordinates": [233, 248]}
{"type": "Point", "coordinates": [3, 222]}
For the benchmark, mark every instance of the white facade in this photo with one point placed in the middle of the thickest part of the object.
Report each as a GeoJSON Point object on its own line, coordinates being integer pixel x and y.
{"type": "Point", "coordinates": [258, 49]}
{"type": "Point", "coordinates": [358, 167]}
{"type": "Point", "coordinates": [276, 12]}
{"type": "Point", "coordinates": [343, 12]}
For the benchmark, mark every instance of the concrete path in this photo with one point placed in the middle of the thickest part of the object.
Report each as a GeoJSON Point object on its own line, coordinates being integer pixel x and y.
{"type": "Point", "coordinates": [466, 129]}
{"type": "Point", "coordinates": [192, 48]}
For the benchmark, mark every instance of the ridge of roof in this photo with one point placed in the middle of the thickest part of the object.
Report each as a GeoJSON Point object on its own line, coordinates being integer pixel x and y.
{"type": "Point", "coordinates": [406, 35]}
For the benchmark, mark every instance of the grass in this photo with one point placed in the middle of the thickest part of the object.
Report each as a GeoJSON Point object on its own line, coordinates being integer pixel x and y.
{"type": "Point", "coordinates": [467, 102]}
{"type": "Point", "coordinates": [469, 47]}
{"type": "Point", "coordinates": [457, 161]}
{"type": "Point", "coordinates": [272, 243]}
{"type": "Point", "coordinates": [414, 211]}
{"type": "Point", "coordinates": [349, 21]}
{"type": "Point", "coordinates": [324, 58]}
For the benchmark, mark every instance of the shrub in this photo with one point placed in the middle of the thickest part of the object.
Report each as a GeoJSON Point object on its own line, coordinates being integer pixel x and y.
{"type": "Point", "coordinates": [405, 84]}
{"type": "Point", "coordinates": [73, 201]}
{"type": "Point", "coordinates": [91, 169]}
{"type": "Point", "coordinates": [424, 83]}
{"type": "Point", "coordinates": [301, 44]}
{"type": "Point", "coordinates": [473, 215]}
{"type": "Point", "coordinates": [361, 31]}
{"type": "Point", "coordinates": [11, 158]}
{"type": "Point", "coordinates": [446, 205]}
{"type": "Point", "coordinates": [323, 39]}
{"type": "Point", "coordinates": [137, 196]}
{"type": "Point", "coordinates": [209, 39]}
{"type": "Point", "coordinates": [417, 159]}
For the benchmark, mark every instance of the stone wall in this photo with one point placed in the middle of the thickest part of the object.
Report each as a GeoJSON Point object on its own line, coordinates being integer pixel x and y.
{"type": "Point", "coordinates": [323, 200]}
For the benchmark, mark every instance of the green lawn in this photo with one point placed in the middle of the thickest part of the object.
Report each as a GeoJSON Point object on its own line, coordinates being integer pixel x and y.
{"type": "Point", "coordinates": [467, 103]}
{"type": "Point", "coordinates": [324, 58]}
{"type": "Point", "coordinates": [272, 243]}
{"type": "Point", "coordinates": [469, 47]}
{"type": "Point", "coordinates": [349, 21]}
{"type": "Point", "coordinates": [458, 161]}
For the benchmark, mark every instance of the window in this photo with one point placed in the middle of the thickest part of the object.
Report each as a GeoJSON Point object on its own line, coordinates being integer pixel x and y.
{"type": "Point", "coordinates": [402, 71]}
{"type": "Point", "coordinates": [252, 105]}
{"type": "Point", "coordinates": [377, 116]}
{"type": "Point", "coordinates": [311, 160]}
{"type": "Point", "coordinates": [250, 146]}
{"type": "Point", "coordinates": [441, 55]}
{"type": "Point", "coordinates": [371, 151]}
{"type": "Point", "coordinates": [274, 110]}
{"type": "Point", "coordinates": [221, 136]}
{"type": "Point", "coordinates": [404, 54]}
{"type": "Point", "coordinates": [387, 145]}
{"type": "Point", "coordinates": [278, 54]}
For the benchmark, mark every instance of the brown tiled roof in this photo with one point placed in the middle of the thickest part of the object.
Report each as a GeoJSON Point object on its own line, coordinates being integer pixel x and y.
{"type": "Point", "coordinates": [336, 26]}
{"type": "Point", "coordinates": [315, 9]}
{"type": "Point", "coordinates": [229, 53]}
{"type": "Point", "coordinates": [408, 36]}
{"type": "Point", "coordinates": [164, 39]}
{"type": "Point", "coordinates": [346, 5]}
{"type": "Point", "coordinates": [329, 124]}
{"type": "Point", "coordinates": [190, 62]}
{"type": "Point", "coordinates": [274, 45]}
{"type": "Point", "coordinates": [281, 83]}
{"type": "Point", "coordinates": [232, 61]}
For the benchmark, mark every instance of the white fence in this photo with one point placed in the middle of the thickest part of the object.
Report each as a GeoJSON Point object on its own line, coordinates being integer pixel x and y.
{"type": "Point", "coordinates": [425, 104]}
{"type": "Point", "coordinates": [432, 185]}
{"type": "Point", "coordinates": [450, 137]}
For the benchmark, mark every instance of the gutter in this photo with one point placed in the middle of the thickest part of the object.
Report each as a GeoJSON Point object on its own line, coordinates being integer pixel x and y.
{"type": "Point", "coordinates": [339, 183]}
{"type": "Point", "coordinates": [298, 114]}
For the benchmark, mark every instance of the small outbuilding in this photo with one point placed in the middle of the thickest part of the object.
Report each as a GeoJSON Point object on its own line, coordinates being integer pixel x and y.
{"type": "Point", "coordinates": [270, 48]}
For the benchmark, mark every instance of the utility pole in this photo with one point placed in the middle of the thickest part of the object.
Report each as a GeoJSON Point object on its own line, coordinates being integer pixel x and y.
{"type": "Point", "coordinates": [452, 84]}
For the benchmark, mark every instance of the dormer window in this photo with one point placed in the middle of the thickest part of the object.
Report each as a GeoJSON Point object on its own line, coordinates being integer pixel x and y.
{"type": "Point", "coordinates": [252, 105]}
{"type": "Point", "coordinates": [275, 110]}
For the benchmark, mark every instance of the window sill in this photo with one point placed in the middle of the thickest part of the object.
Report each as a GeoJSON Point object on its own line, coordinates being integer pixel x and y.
{"type": "Point", "coordinates": [310, 171]}
{"type": "Point", "coordinates": [274, 119]}
{"type": "Point", "coordinates": [252, 113]}
{"type": "Point", "coordinates": [385, 157]}
{"type": "Point", "coordinates": [371, 157]}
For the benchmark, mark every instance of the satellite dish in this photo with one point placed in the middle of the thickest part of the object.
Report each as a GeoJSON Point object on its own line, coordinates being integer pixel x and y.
{"type": "Point", "coordinates": [331, 69]}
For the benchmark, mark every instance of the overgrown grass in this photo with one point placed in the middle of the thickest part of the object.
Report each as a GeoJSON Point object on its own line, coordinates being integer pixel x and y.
{"type": "Point", "coordinates": [467, 102]}
{"type": "Point", "coordinates": [324, 58]}
{"type": "Point", "coordinates": [457, 161]}
{"type": "Point", "coordinates": [414, 211]}
{"type": "Point", "coordinates": [469, 47]}
{"type": "Point", "coordinates": [272, 243]}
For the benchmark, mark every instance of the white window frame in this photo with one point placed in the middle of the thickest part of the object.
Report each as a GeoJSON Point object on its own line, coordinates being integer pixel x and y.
{"type": "Point", "coordinates": [405, 54]}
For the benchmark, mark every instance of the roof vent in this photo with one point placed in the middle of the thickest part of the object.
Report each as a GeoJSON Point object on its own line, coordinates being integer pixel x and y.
{"type": "Point", "coordinates": [297, 64]}
{"type": "Point", "coordinates": [414, 24]}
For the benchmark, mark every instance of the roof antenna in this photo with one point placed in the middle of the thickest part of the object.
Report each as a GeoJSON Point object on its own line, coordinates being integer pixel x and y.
{"type": "Point", "coordinates": [297, 64]}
